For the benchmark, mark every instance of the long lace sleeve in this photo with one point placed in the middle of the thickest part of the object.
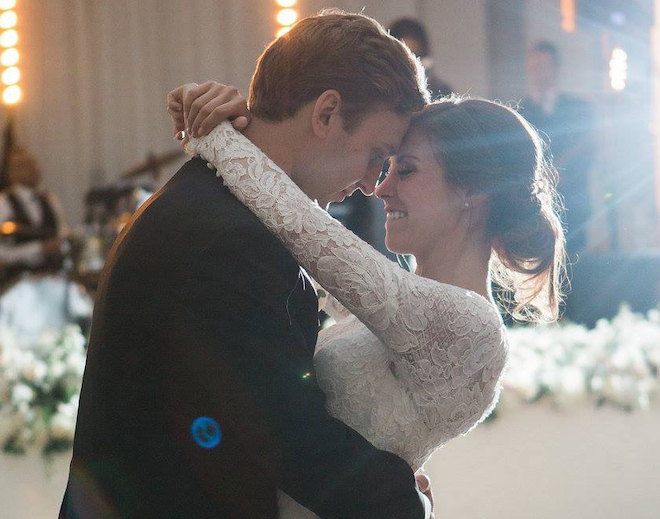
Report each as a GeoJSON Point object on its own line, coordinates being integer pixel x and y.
{"type": "Point", "coordinates": [447, 342]}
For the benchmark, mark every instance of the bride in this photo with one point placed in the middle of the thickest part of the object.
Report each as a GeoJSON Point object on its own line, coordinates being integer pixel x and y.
{"type": "Point", "coordinates": [415, 359]}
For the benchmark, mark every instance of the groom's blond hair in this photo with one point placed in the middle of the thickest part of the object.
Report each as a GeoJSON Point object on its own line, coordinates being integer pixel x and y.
{"type": "Point", "coordinates": [350, 53]}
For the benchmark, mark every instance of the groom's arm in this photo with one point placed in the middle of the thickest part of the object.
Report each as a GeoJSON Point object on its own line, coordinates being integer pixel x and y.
{"type": "Point", "coordinates": [236, 301]}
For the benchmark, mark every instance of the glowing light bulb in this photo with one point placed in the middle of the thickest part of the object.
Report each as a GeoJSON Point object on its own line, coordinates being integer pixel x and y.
{"type": "Point", "coordinates": [9, 57]}
{"type": "Point", "coordinates": [12, 95]}
{"type": "Point", "coordinates": [7, 4]}
{"type": "Point", "coordinates": [8, 19]}
{"type": "Point", "coordinates": [9, 38]}
{"type": "Point", "coordinates": [287, 16]}
{"type": "Point", "coordinates": [282, 31]}
{"type": "Point", "coordinates": [619, 54]}
{"type": "Point", "coordinates": [286, 3]}
{"type": "Point", "coordinates": [618, 69]}
{"type": "Point", "coordinates": [11, 76]}
{"type": "Point", "coordinates": [8, 228]}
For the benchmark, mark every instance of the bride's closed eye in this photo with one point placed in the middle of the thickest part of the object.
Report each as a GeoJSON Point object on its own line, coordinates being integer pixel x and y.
{"type": "Point", "coordinates": [405, 171]}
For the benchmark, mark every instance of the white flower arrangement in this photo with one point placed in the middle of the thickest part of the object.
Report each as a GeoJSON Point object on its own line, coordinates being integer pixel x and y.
{"type": "Point", "coordinates": [39, 389]}
{"type": "Point", "coordinates": [615, 363]}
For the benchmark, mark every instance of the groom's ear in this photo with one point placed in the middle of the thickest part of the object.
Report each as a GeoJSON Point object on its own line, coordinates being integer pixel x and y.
{"type": "Point", "coordinates": [326, 113]}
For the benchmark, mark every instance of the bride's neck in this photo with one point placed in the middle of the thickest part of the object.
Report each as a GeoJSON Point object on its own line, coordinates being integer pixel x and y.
{"type": "Point", "coordinates": [274, 139]}
{"type": "Point", "coordinates": [466, 267]}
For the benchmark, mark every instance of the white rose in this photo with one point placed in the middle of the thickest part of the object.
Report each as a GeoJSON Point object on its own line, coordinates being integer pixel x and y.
{"type": "Point", "coordinates": [62, 427]}
{"type": "Point", "coordinates": [22, 393]}
{"type": "Point", "coordinates": [76, 364]}
{"type": "Point", "coordinates": [35, 372]}
{"type": "Point", "coordinates": [571, 386]}
{"type": "Point", "coordinates": [57, 369]}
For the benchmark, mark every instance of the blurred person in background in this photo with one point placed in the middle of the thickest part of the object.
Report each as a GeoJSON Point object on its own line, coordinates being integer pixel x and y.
{"type": "Point", "coordinates": [414, 35]}
{"type": "Point", "coordinates": [31, 223]}
{"type": "Point", "coordinates": [566, 123]}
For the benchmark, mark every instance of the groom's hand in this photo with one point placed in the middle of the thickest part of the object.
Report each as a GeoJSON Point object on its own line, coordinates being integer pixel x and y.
{"type": "Point", "coordinates": [197, 109]}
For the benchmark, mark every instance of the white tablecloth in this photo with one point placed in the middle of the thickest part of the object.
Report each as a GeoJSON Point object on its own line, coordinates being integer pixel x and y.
{"type": "Point", "coordinates": [532, 463]}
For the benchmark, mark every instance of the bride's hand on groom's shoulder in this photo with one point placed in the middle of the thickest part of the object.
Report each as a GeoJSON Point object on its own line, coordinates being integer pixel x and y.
{"type": "Point", "coordinates": [197, 109]}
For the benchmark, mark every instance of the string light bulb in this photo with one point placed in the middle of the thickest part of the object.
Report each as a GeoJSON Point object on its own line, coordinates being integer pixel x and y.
{"type": "Point", "coordinates": [8, 20]}
{"type": "Point", "coordinates": [282, 31]}
{"type": "Point", "coordinates": [9, 57]}
{"type": "Point", "coordinates": [12, 95]}
{"type": "Point", "coordinates": [618, 69]}
{"type": "Point", "coordinates": [9, 38]}
{"type": "Point", "coordinates": [11, 76]}
{"type": "Point", "coordinates": [287, 17]}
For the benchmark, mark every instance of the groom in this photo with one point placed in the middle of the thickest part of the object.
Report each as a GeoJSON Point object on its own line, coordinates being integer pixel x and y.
{"type": "Point", "coordinates": [199, 398]}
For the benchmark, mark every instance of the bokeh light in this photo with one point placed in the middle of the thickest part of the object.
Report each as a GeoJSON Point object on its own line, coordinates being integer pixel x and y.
{"type": "Point", "coordinates": [8, 19]}
{"type": "Point", "coordinates": [287, 16]}
{"type": "Point", "coordinates": [11, 76]}
{"type": "Point", "coordinates": [7, 4]}
{"type": "Point", "coordinates": [9, 38]}
{"type": "Point", "coordinates": [12, 95]}
{"type": "Point", "coordinates": [618, 69]}
{"type": "Point", "coordinates": [282, 31]}
{"type": "Point", "coordinates": [9, 57]}
{"type": "Point", "coordinates": [286, 3]}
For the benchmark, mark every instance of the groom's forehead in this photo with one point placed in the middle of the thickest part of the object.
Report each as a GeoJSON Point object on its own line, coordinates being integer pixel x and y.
{"type": "Point", "coordinates": [386, 129]}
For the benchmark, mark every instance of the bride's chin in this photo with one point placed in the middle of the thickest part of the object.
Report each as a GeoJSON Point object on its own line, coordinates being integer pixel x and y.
{"type": "Point", "coordinates": [394, 247]}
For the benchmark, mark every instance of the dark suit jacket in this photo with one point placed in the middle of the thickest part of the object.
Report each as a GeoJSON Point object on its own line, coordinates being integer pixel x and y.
{"type": "Point", "coordinates": [201, 312]}
{"type": "Point", "coordinates": [569, 133]}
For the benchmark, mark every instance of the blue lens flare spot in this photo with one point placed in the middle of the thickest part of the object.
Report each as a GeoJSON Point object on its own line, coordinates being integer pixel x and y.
{"type": "Point", "coordinates": [206, 432]}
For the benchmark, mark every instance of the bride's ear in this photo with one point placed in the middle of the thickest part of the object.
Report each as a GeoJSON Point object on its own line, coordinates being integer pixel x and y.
{"type": "Point", "coordinates": [326, 113]}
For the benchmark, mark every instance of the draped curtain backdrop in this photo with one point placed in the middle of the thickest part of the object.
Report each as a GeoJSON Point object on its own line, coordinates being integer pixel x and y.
{"type": "Point", "coordinates": [95, 73]}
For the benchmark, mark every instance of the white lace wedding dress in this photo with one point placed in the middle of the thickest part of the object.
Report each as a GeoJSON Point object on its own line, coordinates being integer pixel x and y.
{"type": "Point", "coordinates": [411, 362]}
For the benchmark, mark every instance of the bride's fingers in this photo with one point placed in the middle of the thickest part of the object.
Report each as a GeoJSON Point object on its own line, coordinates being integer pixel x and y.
{"type": "Point", "coordinates": [199, 108]}
{"type": "Point", "coordinates": [232, 109]}
{"type": "Point", "coordinates": [226, 104]}
{"type": "Point", "coordinates": [175, 111]}
{"type": "Point", "coordinates": [191, 93]}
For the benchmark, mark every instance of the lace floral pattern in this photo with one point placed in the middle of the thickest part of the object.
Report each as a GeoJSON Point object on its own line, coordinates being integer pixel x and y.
{"type": "Point", "coordinates": [431, 356]}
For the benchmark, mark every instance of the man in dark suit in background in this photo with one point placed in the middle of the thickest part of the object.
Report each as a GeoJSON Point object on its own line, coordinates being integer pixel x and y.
{"type": "Point", "coordinates": [199, 398]}
{"type": "Point", "coordinates": [414, 35]}
{"type": "Point", "coordinates": [566, 122]}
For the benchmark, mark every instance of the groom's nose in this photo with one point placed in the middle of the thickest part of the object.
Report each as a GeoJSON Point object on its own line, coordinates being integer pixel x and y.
{"type": "Point", "coordinates": [368, 184]}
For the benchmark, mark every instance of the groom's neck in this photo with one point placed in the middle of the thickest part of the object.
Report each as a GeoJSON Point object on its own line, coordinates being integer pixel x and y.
{"type": "Point", "coordinates": [275, 140]}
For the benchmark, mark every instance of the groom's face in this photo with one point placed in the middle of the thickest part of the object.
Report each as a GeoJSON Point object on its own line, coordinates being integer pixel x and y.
{"type": "Point", "coordinates": [355, 159]}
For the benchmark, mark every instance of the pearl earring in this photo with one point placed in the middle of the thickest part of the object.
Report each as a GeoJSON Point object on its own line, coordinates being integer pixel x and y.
{"type": "Point", "coordinates": [467, 205]}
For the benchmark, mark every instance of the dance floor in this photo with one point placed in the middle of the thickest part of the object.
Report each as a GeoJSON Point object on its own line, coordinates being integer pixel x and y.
{"type": "Point", "coordinates": [531, 462]}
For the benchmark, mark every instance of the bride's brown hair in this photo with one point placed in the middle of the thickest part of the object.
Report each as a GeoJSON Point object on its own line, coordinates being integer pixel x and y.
{"type": "Point", "coordinates": [487, 148]}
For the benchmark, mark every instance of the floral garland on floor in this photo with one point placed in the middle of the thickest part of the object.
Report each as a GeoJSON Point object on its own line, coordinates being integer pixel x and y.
{"type": "Point", "coordinates": [39, 389]}
{"type": "Point", "coordinates": [615, 363]}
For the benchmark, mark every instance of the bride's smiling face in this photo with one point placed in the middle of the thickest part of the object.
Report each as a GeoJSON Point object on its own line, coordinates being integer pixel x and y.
{"type": "Point", "coordinates": [423, 209]}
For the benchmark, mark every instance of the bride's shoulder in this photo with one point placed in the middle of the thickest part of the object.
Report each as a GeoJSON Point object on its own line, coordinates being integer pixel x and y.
{"type": "Point", "coordinates": [470, 309]}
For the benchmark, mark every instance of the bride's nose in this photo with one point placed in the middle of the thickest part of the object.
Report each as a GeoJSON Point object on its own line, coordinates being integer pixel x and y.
{"type": "Point", "coordinates": [385, 188]}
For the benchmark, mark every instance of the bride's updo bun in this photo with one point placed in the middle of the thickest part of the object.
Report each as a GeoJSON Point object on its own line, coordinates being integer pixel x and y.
{"type": "Point", "coordinates": [487, 148]}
